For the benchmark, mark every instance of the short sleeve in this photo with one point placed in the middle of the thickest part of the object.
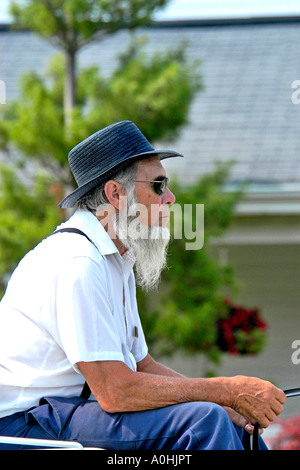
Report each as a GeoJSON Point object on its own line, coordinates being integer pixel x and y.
{"type": "Point", "coordinates": [86, 328]}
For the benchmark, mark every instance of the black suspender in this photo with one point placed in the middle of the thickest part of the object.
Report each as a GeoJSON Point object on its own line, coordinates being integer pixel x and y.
{"type": "Point", "coordinates": [73, 230]}
{"type": "Point", "coordinates": [86, 392]}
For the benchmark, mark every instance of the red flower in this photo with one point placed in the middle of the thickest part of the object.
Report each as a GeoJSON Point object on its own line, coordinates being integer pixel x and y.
{"type": "Point", "coordinates": [239, 319]}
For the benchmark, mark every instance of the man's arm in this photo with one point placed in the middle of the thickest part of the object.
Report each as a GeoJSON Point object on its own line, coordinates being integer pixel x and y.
{"type": "Point", "coordinates": [118, 389]}
{"type": "Point", "coordinates": [150, 366]}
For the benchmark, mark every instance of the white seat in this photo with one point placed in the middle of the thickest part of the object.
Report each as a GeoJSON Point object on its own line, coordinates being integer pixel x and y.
{"type": "Point", "coordinates": [45, 443]}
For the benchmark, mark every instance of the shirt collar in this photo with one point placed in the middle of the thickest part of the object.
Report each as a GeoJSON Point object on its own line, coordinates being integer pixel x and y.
{"type": "Point", "coordinates": [128, 260]}
{"type": "Point", "coordinates": [90, 225]}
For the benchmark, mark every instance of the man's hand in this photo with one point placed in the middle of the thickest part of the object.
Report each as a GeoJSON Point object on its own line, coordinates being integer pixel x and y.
{"type": "Point", "coordinates": [256, 399]}
{"type": "Point", "coordinates": [240, 420]}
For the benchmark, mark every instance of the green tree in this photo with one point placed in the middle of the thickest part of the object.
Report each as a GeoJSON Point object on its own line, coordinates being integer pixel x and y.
{"type": "Point", "coordinates": [72, 24]}
{"type": "Point", "coordinates": [26, 216]}
{"type": "Point", "coordinates": [155, 93]}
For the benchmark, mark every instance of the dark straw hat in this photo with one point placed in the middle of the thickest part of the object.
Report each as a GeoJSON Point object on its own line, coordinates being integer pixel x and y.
{"type": "Point", "coordinates": [100, 156]}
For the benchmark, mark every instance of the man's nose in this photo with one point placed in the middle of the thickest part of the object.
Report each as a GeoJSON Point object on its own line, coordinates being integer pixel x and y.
{"type": "Point", "coordinates": [168, 197]}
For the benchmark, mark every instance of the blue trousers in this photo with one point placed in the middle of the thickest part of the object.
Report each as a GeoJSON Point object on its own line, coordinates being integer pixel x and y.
{"type": "Point", "coordinates": [186, 426]}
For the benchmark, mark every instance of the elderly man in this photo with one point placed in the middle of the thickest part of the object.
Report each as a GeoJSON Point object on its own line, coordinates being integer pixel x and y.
{"type": "Point", "coordinates": [69, 317]}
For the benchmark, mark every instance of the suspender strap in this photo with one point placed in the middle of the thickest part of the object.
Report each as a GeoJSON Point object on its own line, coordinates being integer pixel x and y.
{"type": "Point", "coordinates": [74, 230]}
{"type": "Point", "coordinates": [86, 392]}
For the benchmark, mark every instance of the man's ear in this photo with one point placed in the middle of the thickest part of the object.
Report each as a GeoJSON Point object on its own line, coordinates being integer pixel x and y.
{"type": "Point", "coordinates": [115, 193]}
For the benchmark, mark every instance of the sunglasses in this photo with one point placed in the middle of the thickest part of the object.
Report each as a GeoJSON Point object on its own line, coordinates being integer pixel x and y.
{"type": "Point", "coordinates": [159, 185]}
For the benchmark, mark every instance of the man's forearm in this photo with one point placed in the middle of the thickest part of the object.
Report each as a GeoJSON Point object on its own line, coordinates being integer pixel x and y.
{"type": "Point", "coordinates": [119, 389]}
{"type": "Point", "coordinates": [126, 390]}
{"type": "Point", "coordinates": [150, 366]}
{"type": "Point", "coordinates": [252, 398]}
{"type": "Point", "coordinates": [163, 390]}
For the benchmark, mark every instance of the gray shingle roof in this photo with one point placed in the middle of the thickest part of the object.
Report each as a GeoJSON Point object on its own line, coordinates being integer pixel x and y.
{"type": "Point", "coordinates": [245, 112]}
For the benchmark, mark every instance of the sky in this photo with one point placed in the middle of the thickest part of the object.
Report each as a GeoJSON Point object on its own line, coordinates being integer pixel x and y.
{"type": "Point", "coordinates": [201, 9]}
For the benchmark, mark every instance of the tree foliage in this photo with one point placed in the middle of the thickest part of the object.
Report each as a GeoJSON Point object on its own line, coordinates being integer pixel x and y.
{"type": "Point", "coordinates": [27, 215]}
{"type": "Point", "coordinates": [155, 93]}
{"type": "Point", "coordinates": [71, 24]}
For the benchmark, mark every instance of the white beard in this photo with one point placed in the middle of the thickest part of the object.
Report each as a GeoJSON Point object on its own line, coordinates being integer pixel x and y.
{"type": "Point", "coordinates": [147, 244]}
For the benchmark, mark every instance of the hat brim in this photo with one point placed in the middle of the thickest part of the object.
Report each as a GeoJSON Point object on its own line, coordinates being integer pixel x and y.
{"type": "Point", "coordinates": [70, 200]}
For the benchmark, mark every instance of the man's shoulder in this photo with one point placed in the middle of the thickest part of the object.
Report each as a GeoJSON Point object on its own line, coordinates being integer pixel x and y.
{"type": "Point", "coordinates": [86, 225]}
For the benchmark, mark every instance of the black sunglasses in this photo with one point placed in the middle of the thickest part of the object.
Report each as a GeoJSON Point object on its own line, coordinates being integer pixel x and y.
{"type": "Point", "coordinates": [159, 185]}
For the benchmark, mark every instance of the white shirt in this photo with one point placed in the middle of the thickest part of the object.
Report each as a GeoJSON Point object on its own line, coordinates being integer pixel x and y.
{"type": "Point", "coordinates": [67, 301]}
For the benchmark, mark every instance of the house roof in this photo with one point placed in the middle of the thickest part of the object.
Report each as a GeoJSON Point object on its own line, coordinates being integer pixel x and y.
{"type": "Point", "coordinates": [245, 112]}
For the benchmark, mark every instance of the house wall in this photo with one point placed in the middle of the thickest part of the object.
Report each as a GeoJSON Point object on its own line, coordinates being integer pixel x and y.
{"type": "Point", "coordinates": [270, 277]}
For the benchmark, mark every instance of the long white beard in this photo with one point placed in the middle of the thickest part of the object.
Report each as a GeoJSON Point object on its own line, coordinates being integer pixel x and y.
{"type": "Point", "coordinates": [148, 245]}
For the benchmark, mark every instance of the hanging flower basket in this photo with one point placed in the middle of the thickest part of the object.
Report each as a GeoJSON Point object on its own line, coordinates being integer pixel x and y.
{"type": "Point", "coordinates": [241, 331]}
